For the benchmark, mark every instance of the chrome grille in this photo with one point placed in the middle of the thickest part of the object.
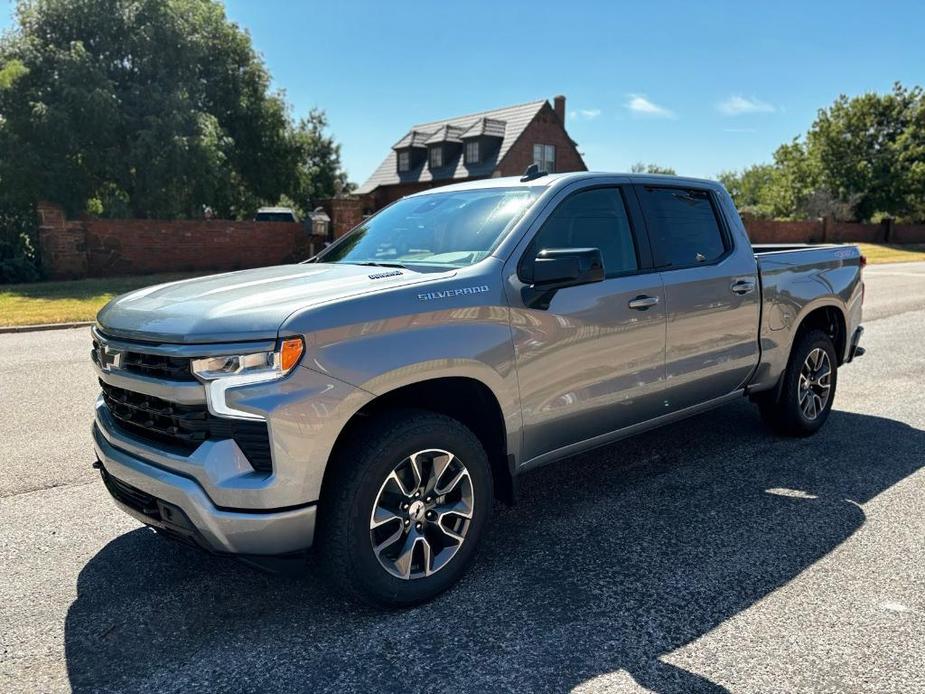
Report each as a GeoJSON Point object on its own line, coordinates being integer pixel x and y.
{"type": "Point", "coordinates": [153, 365]}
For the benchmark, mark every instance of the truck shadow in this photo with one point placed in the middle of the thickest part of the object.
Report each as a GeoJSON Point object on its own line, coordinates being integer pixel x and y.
{"type": "Point", "coordinates": [610, 561]}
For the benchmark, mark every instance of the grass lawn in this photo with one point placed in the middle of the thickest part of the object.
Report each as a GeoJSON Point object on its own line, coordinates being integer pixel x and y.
{"type": "Point", "coordinates": [63, 302]}
{"type": "Point", "coordinates": [883, 253]}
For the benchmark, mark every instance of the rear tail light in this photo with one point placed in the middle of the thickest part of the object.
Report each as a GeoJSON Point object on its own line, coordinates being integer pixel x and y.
{"type": "Point", "coordinates": [863, 287]}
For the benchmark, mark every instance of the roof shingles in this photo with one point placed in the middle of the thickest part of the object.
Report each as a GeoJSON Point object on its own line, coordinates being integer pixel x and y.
{"type": "Point", "coordinates": [506, 123]}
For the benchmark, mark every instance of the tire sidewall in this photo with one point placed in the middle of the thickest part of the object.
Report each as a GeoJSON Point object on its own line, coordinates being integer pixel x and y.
{"type": "Point", "coordinates": [812, 340]}
{"type": "Point", "coordinates": [422, 433]}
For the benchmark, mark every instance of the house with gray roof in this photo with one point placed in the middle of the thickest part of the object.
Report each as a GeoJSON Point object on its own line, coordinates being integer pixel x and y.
{"type": "Point", "coordinates": [500, 142]}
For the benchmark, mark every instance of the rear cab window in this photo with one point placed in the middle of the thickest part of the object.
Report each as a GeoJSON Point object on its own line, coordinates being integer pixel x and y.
{"type": "Point", "coordinates": [683, 225]}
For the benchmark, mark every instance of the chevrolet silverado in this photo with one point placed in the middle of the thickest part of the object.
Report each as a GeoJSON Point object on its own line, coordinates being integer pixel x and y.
{"type": "Point", "coordinates": [372, 402]}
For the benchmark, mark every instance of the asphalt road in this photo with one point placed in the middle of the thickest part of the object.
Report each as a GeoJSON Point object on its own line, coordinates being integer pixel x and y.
{"type": "Point", "coordinates": [708, 556]}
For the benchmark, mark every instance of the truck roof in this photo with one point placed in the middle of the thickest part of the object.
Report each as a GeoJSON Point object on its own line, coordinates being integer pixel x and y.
{"type": "Point", "coordinates": [556, 179]}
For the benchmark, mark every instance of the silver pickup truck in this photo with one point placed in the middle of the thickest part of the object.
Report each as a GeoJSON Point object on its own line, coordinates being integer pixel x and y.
{"type": "Point", "coordinates": [372, 402]}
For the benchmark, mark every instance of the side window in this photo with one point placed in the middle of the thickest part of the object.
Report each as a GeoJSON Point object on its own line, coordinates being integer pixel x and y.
{"type": "Point", "coordinates": [544, 156]}
{"type": "Point", "coordinates": [683, 227]}
{"type": "Point", "coordinates": [591, 219]}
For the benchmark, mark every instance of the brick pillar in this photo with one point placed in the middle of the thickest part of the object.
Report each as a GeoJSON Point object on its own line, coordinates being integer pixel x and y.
{"type": "Point", "coordinates": [886, 229]}
{"type": "Point", "coordinates": [62, 244]}
{"type": "Point", "coordinates": [345, 213]}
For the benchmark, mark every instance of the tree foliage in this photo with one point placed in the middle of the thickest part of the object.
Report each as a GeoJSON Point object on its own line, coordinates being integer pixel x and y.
{"type": "Point", "coordinates": [150, 108]}
{"type": "Point", "coordinates": [640, 167]}
{"type": "Point", "coordinates": [318, 172]}
{"type": "Point", "coordinates": [862, 158]}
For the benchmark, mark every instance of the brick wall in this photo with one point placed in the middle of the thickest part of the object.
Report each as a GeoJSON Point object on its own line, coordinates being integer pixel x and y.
{"type": "Point", "coordinates": [547, 129]}
{"type": "Point", "coordinates": [62, 244]}
{"type": "Point", "coordinates": [907, 233]}
{"type": "Point", "coordinates": [111, 247]}
{"type": "Point", "coordinates": [830, 231]}
{"type": "Point", "coordinates": [773, 231]}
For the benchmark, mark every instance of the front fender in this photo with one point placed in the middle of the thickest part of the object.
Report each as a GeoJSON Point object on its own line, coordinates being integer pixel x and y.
{"type": "Point", "coordinates": [382, 356]}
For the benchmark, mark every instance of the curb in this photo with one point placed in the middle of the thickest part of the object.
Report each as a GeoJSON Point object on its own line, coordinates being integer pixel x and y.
{"type": "Point", "coordinates": [43, 326]}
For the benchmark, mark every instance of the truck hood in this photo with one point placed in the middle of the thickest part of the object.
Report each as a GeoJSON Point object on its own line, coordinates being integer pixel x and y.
{"type": "Point", "coordinates": [238, 306]}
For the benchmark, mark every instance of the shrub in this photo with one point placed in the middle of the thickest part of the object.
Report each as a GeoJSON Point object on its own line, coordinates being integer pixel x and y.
{"type": "Point", "coordinates": [19, 259]}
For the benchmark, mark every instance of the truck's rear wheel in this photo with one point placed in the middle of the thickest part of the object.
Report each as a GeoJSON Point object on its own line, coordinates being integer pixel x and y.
{"type": "Point", "coordinates": [808, 389]}
{"type": "Point", "coordinates": [401, 517]}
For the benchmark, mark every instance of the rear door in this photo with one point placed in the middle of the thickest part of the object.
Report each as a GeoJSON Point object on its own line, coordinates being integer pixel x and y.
{"type": "Point", "coordinates": [711, 294]}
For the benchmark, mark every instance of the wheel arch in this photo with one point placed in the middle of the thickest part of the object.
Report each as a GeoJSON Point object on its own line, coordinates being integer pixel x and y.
{"type": "Point", "coordinates": [830, 318]}
{"type": "Point", "coordinates": [465, 399]}
{"type": "Point", "coordinates": [825, 315]}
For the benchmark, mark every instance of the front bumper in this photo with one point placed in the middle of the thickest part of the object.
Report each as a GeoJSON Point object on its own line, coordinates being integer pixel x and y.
{"type": "Point", "coordinates": [177, 505]}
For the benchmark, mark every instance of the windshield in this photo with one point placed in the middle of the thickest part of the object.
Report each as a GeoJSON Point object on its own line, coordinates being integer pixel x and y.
{"type": "Point", "coordinates": [443, 230]}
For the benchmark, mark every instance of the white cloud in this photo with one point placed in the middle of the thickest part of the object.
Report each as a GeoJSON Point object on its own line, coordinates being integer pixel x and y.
{"type": "Point", "coordinates": [639, 104]}
{"type": "Point", "coordinates": [736, 105]}
{"type": "Point", "coordinates": [585, 114]}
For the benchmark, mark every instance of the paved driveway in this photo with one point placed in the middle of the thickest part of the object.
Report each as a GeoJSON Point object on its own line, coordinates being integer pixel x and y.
{"type": "Point", "coordinates": [708, 556]}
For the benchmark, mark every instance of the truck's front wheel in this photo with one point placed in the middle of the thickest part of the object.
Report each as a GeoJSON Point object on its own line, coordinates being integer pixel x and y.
{"type": "Point", "coordinates": [404, 510]}
{"type": "Point", "coordinates": [808, 389]}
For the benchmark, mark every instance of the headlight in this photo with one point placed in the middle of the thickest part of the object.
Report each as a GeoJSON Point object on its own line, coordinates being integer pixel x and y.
{"type": "Point", "coordinates": [222, 373]}
{"type": "Point", "coordinates": [266, 365]}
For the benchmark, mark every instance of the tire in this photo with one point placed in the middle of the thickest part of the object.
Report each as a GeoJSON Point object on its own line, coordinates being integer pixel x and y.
{"type": "Point", "coordinates": [373, 482]}
{"type": "Point", "coordinates": [791, 413]}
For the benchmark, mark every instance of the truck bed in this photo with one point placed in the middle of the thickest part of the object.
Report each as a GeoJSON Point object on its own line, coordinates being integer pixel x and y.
{"type": "Point", "coordinates": [796, 279]}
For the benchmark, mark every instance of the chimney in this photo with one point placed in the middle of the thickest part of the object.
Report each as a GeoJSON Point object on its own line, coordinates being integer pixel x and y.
{"type": "Point", "coordinates": [558, 105]}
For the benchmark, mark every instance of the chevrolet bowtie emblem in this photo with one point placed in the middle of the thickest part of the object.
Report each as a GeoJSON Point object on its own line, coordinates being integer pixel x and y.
{"type": "Point", "coordinates": [109, 358]}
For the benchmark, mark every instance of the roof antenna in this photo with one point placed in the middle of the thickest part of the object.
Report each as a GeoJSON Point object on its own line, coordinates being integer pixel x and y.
{"type": "Point", "coordinates": [532, 173]}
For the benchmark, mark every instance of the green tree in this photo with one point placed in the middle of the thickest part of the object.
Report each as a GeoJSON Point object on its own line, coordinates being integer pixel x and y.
{"type": "Point", "coordinates": [149, 108]}
{"type": "Point", "coordinates": [863, 157]}
{"type": "Point", "coordinates": [870, 150]}
{"type": "Point", "coordinates": [749, 188]}
{"type": "Point", "coordinates": [640, 167]}
{"type": "Point", "coordinates": [318, 173]}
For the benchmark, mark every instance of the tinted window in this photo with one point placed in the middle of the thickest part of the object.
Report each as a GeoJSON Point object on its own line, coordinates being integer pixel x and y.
{"type": "Point", "coordinates": [591, 219]}
{"type": "Point", "coordinates": [682, 226]}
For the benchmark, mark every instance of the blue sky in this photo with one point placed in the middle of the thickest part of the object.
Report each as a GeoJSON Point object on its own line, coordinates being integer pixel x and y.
{"type": "Point", "coordinates": [700, 86]}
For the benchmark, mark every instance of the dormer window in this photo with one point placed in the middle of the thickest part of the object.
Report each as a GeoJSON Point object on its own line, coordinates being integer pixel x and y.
{"type": "Point", "coordinates": [404, 160]}
{"type": "Point", "coordinates": [472, 152]}
{"type": "Point", "coordinates": [436, 157]}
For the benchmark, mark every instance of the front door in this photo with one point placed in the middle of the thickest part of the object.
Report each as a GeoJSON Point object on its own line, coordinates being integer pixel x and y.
{"type": "Point", "coordinates": [711, 294]}
{"type": "Point", "coordinates": [593, 361]}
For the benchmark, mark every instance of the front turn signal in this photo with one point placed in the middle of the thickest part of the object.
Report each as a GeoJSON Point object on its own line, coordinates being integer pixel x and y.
{"type": "Point", "coordinates": [290, 352]}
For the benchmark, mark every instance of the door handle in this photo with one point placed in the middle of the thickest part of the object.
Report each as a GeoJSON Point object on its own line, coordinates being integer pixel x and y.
{"type": "Point", "coordinates": [743, 287]}
{"type": "Point", "coordinates": [643, 302]}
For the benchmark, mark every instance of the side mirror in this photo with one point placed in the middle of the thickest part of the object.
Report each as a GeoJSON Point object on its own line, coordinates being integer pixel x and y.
{"type": "Point", "coordinates": [558, 268]}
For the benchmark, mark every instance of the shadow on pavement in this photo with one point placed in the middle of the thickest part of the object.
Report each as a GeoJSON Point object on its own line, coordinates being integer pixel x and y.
{"type": "Point", "coordinates": [610, 560]}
